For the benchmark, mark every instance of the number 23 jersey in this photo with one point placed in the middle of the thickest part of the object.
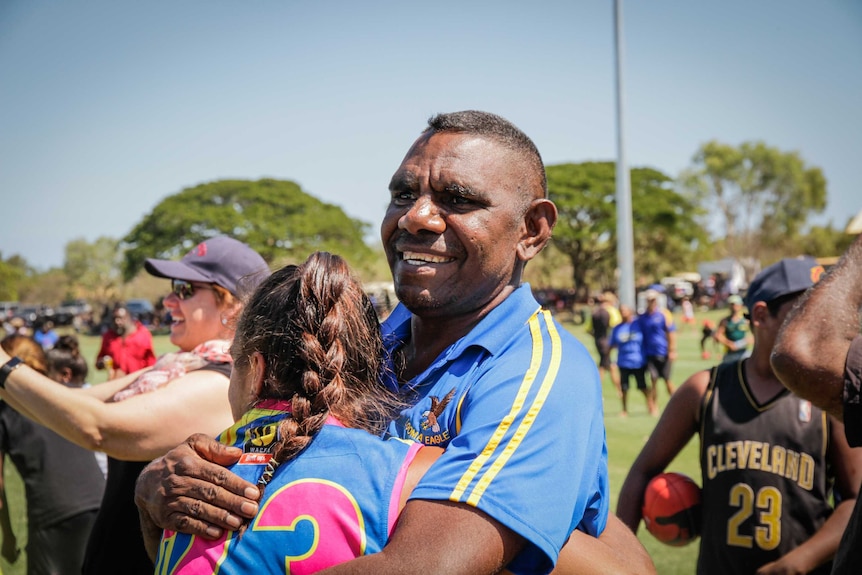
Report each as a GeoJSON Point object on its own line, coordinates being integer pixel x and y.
{"type": "Point", "coordinates": [764, 473]}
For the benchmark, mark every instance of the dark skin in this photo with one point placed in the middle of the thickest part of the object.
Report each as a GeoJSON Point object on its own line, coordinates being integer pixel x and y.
{"type": "Point", "coordinates": [812, 346]}
{"type": "Point", "coordinates": [464, 219]}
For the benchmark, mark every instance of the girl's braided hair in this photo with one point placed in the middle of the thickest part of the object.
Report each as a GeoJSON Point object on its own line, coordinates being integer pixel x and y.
{"type": "Point", "coordinates": [320, 340]}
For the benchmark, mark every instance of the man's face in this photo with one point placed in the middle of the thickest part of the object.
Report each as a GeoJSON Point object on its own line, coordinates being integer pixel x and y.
{"type": "Point", "coordinates": [454, 223]}
{"type": "Point", "coordinates": [120, 321]}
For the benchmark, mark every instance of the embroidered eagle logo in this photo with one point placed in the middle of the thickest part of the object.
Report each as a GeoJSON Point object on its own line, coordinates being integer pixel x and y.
{"type": "Point", "coordinates": [429, 418]}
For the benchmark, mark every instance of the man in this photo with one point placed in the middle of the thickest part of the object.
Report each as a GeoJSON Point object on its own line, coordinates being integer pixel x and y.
{"type": "Point", "coordinates": [733, 331]}
{"type": "Point", "coordinates": [659, 343]}
{"type": "Point", "coordinates": [628, 340]}
{"type": "Point", "coordinates": [45, 334]}
{"type": "Point", "coordinates": [819, 357]}
{"type": "Point", "coordinates": [605, 316]}
{"type": "Point", "coordinates": [515, 399]}
{"type": "Point", "coordinates": [127, 346]}
{"type": "Point", "coordinates": [768, 457]}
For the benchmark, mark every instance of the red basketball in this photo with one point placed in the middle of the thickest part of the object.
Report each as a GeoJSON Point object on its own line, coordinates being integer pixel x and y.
{"type": "Point", "coordinates": [671, 509]}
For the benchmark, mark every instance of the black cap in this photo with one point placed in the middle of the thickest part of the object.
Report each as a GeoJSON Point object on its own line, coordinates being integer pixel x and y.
{"type": "Point", "coordinates": [221, 260]}
{"type": "Point", "coordinates": [788, 276]}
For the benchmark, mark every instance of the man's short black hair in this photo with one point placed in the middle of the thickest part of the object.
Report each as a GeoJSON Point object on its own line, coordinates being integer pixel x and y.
{"type": "Point", "coordinates": [495, 128]}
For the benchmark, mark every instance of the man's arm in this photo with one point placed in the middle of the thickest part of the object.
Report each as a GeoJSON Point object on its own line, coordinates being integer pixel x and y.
{"type": "Point", "coordinates": [821, 546]}
{"type": "Point", "coordinates": [720, 334]}
{"type": "Point", "coordinates": [677, 425]}
{"type": "Point", "coordinates": [474, 543]}
{"type": "Point", "coordinates": [616, 552]}
{"type": "Point", "coordinates": [811, 349]}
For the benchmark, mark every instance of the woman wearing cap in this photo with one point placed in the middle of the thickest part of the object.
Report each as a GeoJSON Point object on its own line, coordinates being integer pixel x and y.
{"type": "Point", "coordinates": [141, 416]}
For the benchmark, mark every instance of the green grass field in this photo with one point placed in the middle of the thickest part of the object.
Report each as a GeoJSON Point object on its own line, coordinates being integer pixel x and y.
{"type": "Point", "coordinates": [625, 438]}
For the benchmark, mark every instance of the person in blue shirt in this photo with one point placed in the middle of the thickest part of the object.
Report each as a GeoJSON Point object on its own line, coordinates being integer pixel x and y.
{"type": "Point", "coordinates": [659, 343]}
{"type": "Point", "coordinates": [628, 339]}
{"type": "Point", "coordinates": [513, 398]}
{"type": "Point", "coordinates": [45, 335]}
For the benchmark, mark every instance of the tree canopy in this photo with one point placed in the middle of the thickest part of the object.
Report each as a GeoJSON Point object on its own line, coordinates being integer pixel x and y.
{"type": "Point", "coordinates": [762, 195]}
{"type": "Point", "coordinates": [275, 217]}
{"type": "Point", "coordinates": [665, 229]}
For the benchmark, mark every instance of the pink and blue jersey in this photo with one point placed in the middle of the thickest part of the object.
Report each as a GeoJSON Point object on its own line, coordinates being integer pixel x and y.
{"type": "Point", "coordinates": [339, 499]}
{"type": "Point", "coordinates": [517, 405]}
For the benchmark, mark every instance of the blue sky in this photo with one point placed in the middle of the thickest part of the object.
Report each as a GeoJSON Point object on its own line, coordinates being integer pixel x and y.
{"type": "Point", "coordinates": [107, 107]}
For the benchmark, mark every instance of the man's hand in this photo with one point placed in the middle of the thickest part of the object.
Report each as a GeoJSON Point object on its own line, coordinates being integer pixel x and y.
{"type": "Point", "coordinates": [188, 490]}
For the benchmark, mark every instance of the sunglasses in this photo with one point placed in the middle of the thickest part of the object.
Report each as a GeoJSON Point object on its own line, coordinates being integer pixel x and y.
{"type": "Point", "coordinates": [185, 289]}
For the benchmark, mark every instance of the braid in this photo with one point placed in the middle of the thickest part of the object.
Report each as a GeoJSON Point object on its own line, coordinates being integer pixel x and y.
{"type": "Point", "coordinates": [321, 343]}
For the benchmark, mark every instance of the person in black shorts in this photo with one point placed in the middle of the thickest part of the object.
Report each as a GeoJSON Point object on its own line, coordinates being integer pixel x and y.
{"type": "Point", "coordinates": [601, 330]}
{"type": "Point", "coordinates": [627, 339]}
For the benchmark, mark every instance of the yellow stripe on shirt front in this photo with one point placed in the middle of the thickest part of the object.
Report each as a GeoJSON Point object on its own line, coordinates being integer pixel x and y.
{"type": "Point", "coordinates": [506, 423]}
{"type": "Point", "coordinates": [530, 418]}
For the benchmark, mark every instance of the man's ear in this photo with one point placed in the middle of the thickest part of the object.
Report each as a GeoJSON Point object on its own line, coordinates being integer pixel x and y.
{"type": "Point", "coordinates": [539, 221]}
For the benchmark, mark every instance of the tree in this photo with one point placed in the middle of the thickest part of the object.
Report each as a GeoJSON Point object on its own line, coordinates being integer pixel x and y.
{"type": "Point", "coordinates": [761, 195]}
{"type": "Point", "coordinates": [275, 217]}
{"type": "Point", "coordinates": [15, 275]}
{"type": "Point", "coordinates": [824, 241]}
{"type": "Point", "coordinates": [664, 224]}
{"type": "Point", "coordinates": [93, 270]}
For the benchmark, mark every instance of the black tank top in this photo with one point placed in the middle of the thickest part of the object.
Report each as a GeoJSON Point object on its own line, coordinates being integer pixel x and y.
{"type": "Point", "coordinates": [764, 475]}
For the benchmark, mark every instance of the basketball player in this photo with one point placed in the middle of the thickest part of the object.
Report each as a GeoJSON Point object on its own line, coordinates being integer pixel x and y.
{"type": "Point", "coordinates": [768, 458]}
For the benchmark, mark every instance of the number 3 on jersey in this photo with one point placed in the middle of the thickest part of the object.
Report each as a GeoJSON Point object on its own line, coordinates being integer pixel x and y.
{"type": "Point", "coordinates": [767, 503]}
{"type": "Point", "coordinates": [305, 537]}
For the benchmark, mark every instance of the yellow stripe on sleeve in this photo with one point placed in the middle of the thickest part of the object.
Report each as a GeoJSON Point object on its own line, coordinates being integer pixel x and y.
{"type": "Point", "coordinates": [530, 418]}
{"type": "Point", "coordinates": [506, 423]}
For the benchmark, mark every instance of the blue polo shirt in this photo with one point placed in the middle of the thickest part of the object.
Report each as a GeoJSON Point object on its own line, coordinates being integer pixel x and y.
{"type": "Point", "coordinates": [629, 341]}
{"type": "Point", "coordinates": [655, 327]}
{"type": "Point", "coordinates": [517, 404]}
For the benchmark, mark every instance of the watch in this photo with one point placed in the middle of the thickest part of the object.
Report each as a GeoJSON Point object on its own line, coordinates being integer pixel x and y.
{"type": "Point", "coordinates": [8, 368]}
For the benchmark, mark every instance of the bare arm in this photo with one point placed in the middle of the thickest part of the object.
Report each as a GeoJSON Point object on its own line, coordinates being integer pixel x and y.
{"type": "Point", "coordinates": [820, 547]}
{"type": "Point", "coordinates": [671, 345]}
{"type": "Point", "coordinates": [676, 427]}
{"type": "Point", "coordinates": [812, 345]}
{"type": "Point", "coordinates": [616, 552]}
{"type": "Point", "coordinates": [471, 543]}
{"type": "Point", "coordinates": [139, 428]}
{"type": "Point", "coordinates": [721, 334]}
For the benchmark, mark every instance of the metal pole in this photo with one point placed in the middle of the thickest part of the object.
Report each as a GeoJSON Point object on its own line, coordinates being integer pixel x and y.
{"type": "Point", "coordinates": [625, 235]}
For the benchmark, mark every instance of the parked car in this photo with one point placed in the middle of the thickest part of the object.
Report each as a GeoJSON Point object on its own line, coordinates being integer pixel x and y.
{"type": "Point", "coordinates": [67, 311]}
{"type": "Point", "coordinates": [142, 310]}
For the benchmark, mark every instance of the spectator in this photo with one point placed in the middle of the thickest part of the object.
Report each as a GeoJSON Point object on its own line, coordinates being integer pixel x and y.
{"type": "Point", "coordinates": [659, 334]}
{"type": "Point", "coordinates": [127, 345]}
{"type": "Point", "coordinates": [62, 482]}
{"type": "Point", "coordinates": [628, 340]}
{"type": "Point", "coordinates": [605, 317]}
{"type": "Point", "coordinates": [45, 334]}
{"type": "Point", "coordinates": [734, 332]}
{"type": "Point", "coordinates": [68, 366]}
{"type": "Point", "coordinates": [140, 416]}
